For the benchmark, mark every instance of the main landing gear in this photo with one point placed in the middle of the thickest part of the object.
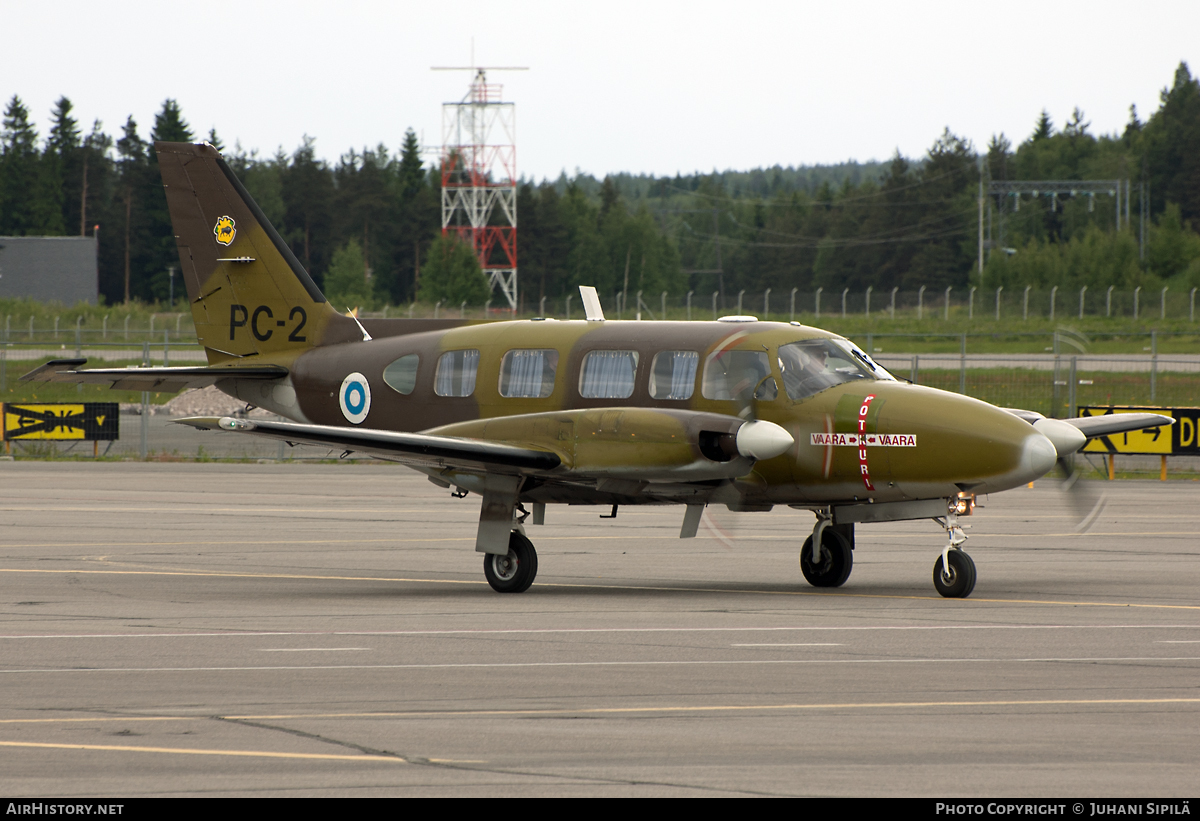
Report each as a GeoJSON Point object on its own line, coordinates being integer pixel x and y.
{"type": "Point", "coordinates": [830, 565]}
{"type": "Point", "coordinates": [514, 572]}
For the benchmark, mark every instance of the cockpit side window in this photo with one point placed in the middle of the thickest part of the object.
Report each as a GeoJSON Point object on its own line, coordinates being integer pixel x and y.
{"type": "Point", "coordinates": [734, 374]}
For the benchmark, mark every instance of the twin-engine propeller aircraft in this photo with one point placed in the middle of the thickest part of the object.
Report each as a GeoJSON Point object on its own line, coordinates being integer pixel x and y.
{"type": "Point", "coordinates": [736, 412]}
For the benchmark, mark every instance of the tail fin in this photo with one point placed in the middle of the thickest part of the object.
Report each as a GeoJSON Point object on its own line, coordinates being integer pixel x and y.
{"type": "Point", "coordinates": [249, 293]}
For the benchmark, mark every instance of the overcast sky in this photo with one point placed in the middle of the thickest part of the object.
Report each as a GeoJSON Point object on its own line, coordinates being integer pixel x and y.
{"type": "Point", "coordinates": [645, 86]}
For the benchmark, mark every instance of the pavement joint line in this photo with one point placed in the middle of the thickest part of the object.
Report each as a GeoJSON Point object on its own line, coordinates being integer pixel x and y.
{"type": "Point", "coordinates": [639, 588]}
{"type": "Point", "coordinates": [601, 630]}
{"type": "Point", "coordinates": [481, 665]}
{"type": "Point", "coordinates": [671, 708]}
{"type": "Point", "coordinates": [195, 751]}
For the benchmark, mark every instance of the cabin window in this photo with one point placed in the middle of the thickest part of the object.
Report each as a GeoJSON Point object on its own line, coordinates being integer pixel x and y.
{"type": "Point", "coordinates": [732, 374]}
{"type": "Point", "coordinates": [401, 375]}
{"type": "Point", "coordinates": [608, 374]}
{"type": "Point", "coordinates": [456, 373]}
{"type": "Point", "coordinates": [673, 374]}
{"type": "Point", "coordinates": [528, 374]}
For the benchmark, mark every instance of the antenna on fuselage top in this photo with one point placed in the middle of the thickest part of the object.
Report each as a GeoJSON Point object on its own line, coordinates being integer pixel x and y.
{"type": "Point", "coordinates": [591, 304]}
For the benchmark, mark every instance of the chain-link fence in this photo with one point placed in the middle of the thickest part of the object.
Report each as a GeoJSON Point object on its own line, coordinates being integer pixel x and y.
{"type": "Point", "coordinates": [1050, 383]}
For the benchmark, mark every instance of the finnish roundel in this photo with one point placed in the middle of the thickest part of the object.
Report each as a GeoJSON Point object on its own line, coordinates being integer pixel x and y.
{"type": "Point", "coordinates": [355, 398]}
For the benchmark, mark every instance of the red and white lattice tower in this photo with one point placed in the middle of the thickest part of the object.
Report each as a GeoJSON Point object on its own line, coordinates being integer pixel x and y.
{"type": "Point", "coordinates": [479, 180]}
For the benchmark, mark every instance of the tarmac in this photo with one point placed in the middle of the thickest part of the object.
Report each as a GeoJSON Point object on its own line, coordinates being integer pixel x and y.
{"type": "Point", "coordinates": [325, 630]}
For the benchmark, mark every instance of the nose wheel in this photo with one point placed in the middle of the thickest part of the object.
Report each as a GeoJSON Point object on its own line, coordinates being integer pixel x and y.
{"type": "Point", "coordinates": [954, 574]}
{"type": "Point", "coordinates": [514, 571]}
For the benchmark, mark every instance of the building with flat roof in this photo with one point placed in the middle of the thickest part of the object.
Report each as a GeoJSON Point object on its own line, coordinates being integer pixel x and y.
{"type": "Point", "coordinates": [62, 269]}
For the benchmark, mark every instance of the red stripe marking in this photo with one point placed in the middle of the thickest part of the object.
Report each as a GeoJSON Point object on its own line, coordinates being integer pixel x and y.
{"type": "Point", "coordinates": [862, 440]}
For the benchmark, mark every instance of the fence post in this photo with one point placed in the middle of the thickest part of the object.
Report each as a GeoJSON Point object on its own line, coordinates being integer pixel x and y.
{"type": "Point", "coordinates": [56, 327]}
{"type": "Point", "coordinates": [920, 301]}
{"type": "Point", "coordinates": [663, 315]}
{"type": "Point", "coordinates": [946, 315]}
{"type": "Point", "coordinates": [1163, 312]}
{"type": "Point", "coordinates": [1108, 301]}
{"type": "Point", "coordinates": [1025, 315]}
{"type": "Point", "coordinates": [541, 306]}
{"type": "Point", "coordinates": [166, 348]}
{"type": "Point", "coordinates": [1191, 312]}
{"type": "Point", "coordinates": [1153, 363]}
{"type": "Point", "coordinates": [844, 292]}
{"type": "Point", "coordinates": [1136, 294]}
{"type": "Point", "coordinates": [971, 304]}
{"type": "Point", "coordinates": [78, 337]}
{"type": "Point", "coordinates": [869, 288]}
{"type": "Point", "coordinates": [793, 309]}
{"type": "Point", "coordinates": [1053, 297]}
{"type": "Point", "coordinates": [766, 305]}
{"type": "Point", "coordinates": [1082, 292]}
{"type": "Point", "coordinates": [962, 365]}
{"type": "Point", "coordinates": [916, 368]}
{"type": "Point", "coordinates": [689, 305]}
{"type": "Point", "coordinates": [715, 293]}
{"type": "Point", "coordinates": [126, 327]}
{"type": "Point", "coordinates": [1071, 403]}
{"type": "Point", "coordinates": [819, 303]}
{"type": "Point", "coordinates": [892, 309]}
{"type": "Point", "coordinates": [998, 290]}
{"type": "Point", "coordinates": [145, 402]}
{"type": "Point", "coordinates": [740, 293]}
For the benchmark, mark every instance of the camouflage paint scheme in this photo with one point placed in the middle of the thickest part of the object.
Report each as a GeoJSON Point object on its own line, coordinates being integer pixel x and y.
{"type": "Point", "coordinates": [265, 310]}
{"type": "Point", "coordinates": [273, 340]}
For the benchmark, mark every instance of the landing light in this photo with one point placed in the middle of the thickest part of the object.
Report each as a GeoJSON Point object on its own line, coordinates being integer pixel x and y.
{"type": "Point", "coordinates": [963, 504]}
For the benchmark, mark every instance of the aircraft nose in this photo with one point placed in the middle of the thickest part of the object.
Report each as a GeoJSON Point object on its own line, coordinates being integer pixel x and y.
{"type": "Point", "coordinates": [957, 443]}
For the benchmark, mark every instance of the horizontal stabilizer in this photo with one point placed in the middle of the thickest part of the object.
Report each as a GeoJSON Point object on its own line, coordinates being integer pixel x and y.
{"type": "Point", "coordinates": [158, 380]}
{"type": "Point", "coordinates": [417, 449]}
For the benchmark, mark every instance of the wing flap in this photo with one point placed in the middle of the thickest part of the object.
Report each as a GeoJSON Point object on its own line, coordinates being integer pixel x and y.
{"type": "Point", "coordinates": [418, 449]}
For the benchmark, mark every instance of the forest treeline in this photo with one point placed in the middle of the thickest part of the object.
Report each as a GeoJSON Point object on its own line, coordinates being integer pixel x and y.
{"type": "Point", "coordinates": [366, 225]}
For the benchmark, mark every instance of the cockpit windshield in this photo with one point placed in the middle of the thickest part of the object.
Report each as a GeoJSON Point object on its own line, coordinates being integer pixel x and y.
{"type": "Point", "coordinates": [813, 365]}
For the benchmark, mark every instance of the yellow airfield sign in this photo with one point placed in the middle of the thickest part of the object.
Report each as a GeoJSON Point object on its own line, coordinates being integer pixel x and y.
{"type": "Point", "coordinates": [1178, 439]}
{"type": "Point", "coordinates": [87, 421]}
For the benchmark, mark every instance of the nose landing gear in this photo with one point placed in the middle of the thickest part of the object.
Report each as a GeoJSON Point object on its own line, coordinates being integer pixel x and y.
{"type": "Point", "coordinates": [954, 574]}
{"type": "Point", "coordinates": [954, 571]}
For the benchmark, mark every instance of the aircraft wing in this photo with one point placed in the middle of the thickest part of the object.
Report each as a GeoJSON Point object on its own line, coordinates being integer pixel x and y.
{"type": "Point", "coordinates": [1108, 424]}
{"type": "Point", "coordinates": [1069, 435]}
{"type": "Point", "coordinates": [164, 380]}
{"type": "Point", "coordinates": [416, 449]}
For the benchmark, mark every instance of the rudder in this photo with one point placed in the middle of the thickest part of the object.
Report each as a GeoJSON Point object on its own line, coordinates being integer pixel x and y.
{"type": "Point", "coordinates": [248, 292]}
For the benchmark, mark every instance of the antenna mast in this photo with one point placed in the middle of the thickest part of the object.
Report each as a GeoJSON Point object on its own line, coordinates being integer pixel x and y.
{"type": "Point", "coordinates": [479, 177]}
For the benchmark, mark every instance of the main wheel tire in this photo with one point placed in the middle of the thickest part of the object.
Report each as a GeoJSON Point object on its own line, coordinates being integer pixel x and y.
{"type": "Point", "coordinates": [837, 559]}
{"type": "Point", "coordinates": [958, 581]}
{"type": "Point", "coordinates": [514, 572]}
